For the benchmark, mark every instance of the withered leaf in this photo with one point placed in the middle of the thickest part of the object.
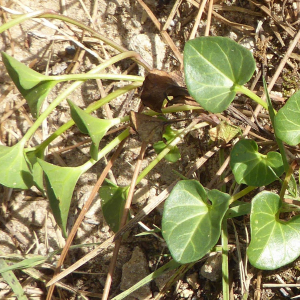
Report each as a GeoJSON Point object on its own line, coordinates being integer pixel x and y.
{"type": "Point", "coordinates": [224, 131]}
{"type": "Point", "coordinates": [150, 129]}
{"type": "Point", "coordinates": [157, 86]}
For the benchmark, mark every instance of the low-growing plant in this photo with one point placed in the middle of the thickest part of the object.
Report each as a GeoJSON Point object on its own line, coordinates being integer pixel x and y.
{"type": "Point", "coordinates": [194, 217]}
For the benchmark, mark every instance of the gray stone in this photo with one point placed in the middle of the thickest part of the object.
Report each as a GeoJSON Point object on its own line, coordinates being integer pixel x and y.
{"type": "Point", "coordinates": [133, 271]}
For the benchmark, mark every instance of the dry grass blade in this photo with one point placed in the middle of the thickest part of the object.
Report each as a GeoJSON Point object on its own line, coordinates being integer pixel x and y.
{"type": "Point", "coordinates": [197, 19]}
{"type": "Point", "coordinates": [82, 214]}
{"type": "Point", "coordinates": [164, 34]}
{"type": "Point", "coordinates": [172, 14]}
{"type": "Point", "coordinates": [266, 10]}
{"type": "Point", "coordinates": [123, 220]}
{"type": "Point", "coordinates": [153, 203]}
{"type": "Point", "coordinates": [241, 27]}
{"type": "Point", "coordinates": [209, 13]}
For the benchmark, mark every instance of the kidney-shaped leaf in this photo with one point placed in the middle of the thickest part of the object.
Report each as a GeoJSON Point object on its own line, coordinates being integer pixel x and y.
{"type": "Point", "coordinates": [253, 168]}
{"type": "Point", "coordinates": [94, 127]}
{"type": "Point", "coordinates": [33, 86]}
{"type": "Point", "coordinates": [113, 199]}
{"type": "Point", "coordinates": [60, 184]}
{"type": "Point", "coordinates": [190, 225]}
{"type": "Point", "coordinates": [14, 171]}
{"type": "Point", "coordinates": [274, 242]}
{"type": "Point", "coordinates": [287, 121]}
{"type": "Point", "coordinates": [213, 66]}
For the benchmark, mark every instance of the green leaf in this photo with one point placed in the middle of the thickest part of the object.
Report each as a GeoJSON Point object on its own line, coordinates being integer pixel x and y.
{"type": "Point", "coordinates": [12, 281]}
{"type": "Point", "coordinates": [37, 171]}
{"type": "Point", "coordinates": [33, 86]}
{"type": "Point", "coordinates": [27, 77]}
{"type": "Point", "coordinates": [274, 242]}
{"type": "Point", "coordinates": [191, 225]}
{"type": "Point", "coordinates": [25, 263]}
{"type": "Point", "coordinates": [169, 135]}
{"type": "Point", "coordinates": [287, 121]}
{"type": "Point", "coordinates": [237, 209]}
{"type": "Point", "coordinates": [113, 200]}
{"type": "Point", "coordinates": [15, 171]}
{"type": "Point", "coordinates": [251, 167]}
{"type": "Point", "coordinates": [172, 156]}
{"type": "Point", "coordinates": [60, 184]}
{"type": "Point", "coordinates": [94, 127]}
{"type": "Point", "coordinates": [214, 67]}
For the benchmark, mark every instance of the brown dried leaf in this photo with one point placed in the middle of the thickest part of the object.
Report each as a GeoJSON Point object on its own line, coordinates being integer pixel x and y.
{"type": "Point", "coordinates": [150, 129]}
{"type": "Point", "coordinates": [224, 131]}
{"type": "Point", "coordinates": [158, 85]}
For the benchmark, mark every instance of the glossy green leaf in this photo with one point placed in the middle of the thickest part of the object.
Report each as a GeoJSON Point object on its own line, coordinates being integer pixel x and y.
{"type": "Point", "coordinates": [60, 184]}
{"type": "Point", "coordinates": [287, 121]}
{"type": "Point", "coordinates": [213, 67]}
{"type": "Point", "coordinates": [33, 86]}
{"type": "Point", "coordinates": [113, 199]}
{"type": "Point", "coordinates": [169, 135]}
{"type": "Point", "coordinates": [251, 167]}
{"type": "Point", "coordinates": [15, 170]}
{"type": "Point", "coordinates": [94, 127]}
{"type": "Point", "coordinates": [274, 242]}
{"type": "Point", "coordinates": [191, 225]}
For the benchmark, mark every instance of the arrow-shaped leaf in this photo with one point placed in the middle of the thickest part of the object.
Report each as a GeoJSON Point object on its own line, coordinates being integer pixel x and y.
{"type": "Point", "coordinates": [94, 127]}
{"type": "Point", "coordinates": [33, 86]}
{"type": "Point", "coordinates": [60, 184]}
{"type": "Point", "coordinates": [113, 199]}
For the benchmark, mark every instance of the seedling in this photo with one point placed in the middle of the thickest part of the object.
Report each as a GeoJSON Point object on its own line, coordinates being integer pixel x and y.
{"type": "Point", "coordinates": [215, 69]}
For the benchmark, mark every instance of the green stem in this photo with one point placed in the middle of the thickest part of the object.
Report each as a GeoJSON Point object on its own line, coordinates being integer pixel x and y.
{"type": "Point", "coordinates": [242, 193]}
{"type": "Point", "coordinates": [89, 109]}
{"type": "Point", "coordinates": [250, 94]}
{"type": "Point", "coordinates": [115, 142]}
{"type": "Point", "coordinates": [225, 273]}
{"type": "Point", "coordinates": [68, 91]}
{"type": "Point", "coordinates": [50, 15]}
{"type": "Point", "coordinates": [20, 19]}
{"type": "Point", "coordinates": [165, 151]}
{"type": "Point", "coordinates": [287, 178]}
{"type": "Point", "coordinates": [83, 77]}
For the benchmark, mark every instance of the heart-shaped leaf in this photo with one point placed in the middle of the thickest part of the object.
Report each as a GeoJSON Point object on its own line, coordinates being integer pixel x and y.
{"type": "Point", "coordinates": [33, 86]}
{"type": "Point", "coordinates": [214, 67]}
{"type": "Point", "coordinates": [274, 242]}
{"type": "Point", "coordinates": [190, 225]}
{"type": "Point", "coordinates": [60, 184]}
{"type": "Point", "coordinates": [287, 121]}
{"type": "Point", "coordinates": [113, 199]}
{"type": "Point", "coordinates": [15, 170]}
{"type": "Point", "coordinates": [94, 127]}
{"type": "Point", "coordinates": [251, 167]}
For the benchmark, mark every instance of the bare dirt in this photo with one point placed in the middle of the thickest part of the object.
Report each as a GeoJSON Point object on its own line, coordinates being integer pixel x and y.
{"type": "Point", "coordinates": [26, 222]}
